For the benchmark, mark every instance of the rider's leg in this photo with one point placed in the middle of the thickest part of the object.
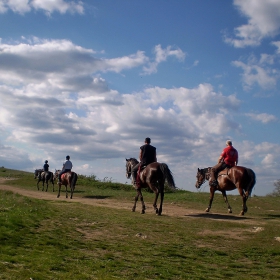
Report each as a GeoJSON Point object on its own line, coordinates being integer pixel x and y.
{"type": "Point", "coordinates": [134, 174]}
{"type": "Point", "coordinates": [214, 171]}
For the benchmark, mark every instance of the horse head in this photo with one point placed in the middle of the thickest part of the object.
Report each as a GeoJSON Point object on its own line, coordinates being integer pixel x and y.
{"type": "Point", "coordinates": [37, 173]}
{"type": "Point", "coordinates": [129, 165]}
{"type": "Point", "coordinates": [56, 173]}
{"type": "Point", "coordinates": [201, 176]}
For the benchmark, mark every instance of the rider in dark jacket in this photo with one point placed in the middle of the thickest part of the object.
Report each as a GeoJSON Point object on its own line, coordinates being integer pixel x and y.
{"type": "Point", "coordinates": [46, 167]}
{"type": "Point", "coordinates": [147, 155]}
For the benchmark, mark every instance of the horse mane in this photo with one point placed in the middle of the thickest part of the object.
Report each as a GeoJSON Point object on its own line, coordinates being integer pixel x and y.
{"type": "Point", "coordinates": [205, 170]}
{"type": "Point", "coordinates": [134, 160]}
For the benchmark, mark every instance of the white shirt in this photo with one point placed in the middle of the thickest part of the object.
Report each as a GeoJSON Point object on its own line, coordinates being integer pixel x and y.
{"type": "Point", "coordinates": [67, 165]}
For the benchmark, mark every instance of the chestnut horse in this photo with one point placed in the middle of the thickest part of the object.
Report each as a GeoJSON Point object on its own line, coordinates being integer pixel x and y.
{"type": "Point", "coordinates": [153, 176]}
{"type": "Point", "coordinates": [237, 177]}
{"type": "Point", "coordinates": [45, 177]}
{"type": "Point", "coordinates": [67, 179]}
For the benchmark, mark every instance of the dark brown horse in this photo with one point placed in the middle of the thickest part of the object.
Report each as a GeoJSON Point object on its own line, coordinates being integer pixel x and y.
{"type": "Point", "coordinates": [45, 177]}
{"type": "Point", "coordinates": [67, 179]}
{"type": "Point", "coordinates": [153, 176]}
{"type": "Point", "coordinates": [241, 178]}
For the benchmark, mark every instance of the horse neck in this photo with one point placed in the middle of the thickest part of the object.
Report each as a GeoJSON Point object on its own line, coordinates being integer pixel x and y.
{"type": "Point", "coordinates": [133, 162]}
{"type": "Point", "coordinates": [206, 171]}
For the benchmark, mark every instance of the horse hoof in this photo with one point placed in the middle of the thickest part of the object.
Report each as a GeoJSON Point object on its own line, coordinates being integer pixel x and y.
{"type": "Point", "coordinates": [229, 211]}
{"type": "Point", "coordinates": [133, 210]}
{"type": "Point", "coordinates": [143, 212]}
{"type": "Point", "coordinates": [207, 210]}
{"type": "Point", "coordinates": [241, 213]}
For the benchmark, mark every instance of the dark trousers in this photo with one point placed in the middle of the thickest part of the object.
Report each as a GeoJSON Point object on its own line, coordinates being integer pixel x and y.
{"type": "Point", "coordinates": [216, 169]}
{"type": "Point", "coordinates": [134, 172]}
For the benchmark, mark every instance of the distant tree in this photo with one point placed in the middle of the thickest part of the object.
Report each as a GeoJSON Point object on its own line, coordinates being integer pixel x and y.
{"type": "Point", "coordinates": [276, 191]}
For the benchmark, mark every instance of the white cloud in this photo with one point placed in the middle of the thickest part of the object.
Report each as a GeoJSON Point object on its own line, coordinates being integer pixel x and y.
{"type": "Point", "coordinates": [161, 55]}
{"type": "Point", "coordinates": [48, 6]}
{"type": "Point", "coordinates": [65, 106]}
{"type": "Point", "coordinates": [256, 73]}
{"type": "Point", "coordinates": [264, 118]}
{"type": "Point", "coordinates": [263, 21]}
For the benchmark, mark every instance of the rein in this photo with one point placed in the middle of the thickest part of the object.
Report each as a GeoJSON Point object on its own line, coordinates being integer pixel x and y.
{"type": "Point", "coordinates": [206, 174]}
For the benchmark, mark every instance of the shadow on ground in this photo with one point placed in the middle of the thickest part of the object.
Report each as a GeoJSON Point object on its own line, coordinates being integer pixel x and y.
{"type": "Point", "coordinates": [218, 216]}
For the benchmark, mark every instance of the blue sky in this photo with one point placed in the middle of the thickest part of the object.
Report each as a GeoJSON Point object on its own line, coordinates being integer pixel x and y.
{"type": "Point", "coordinates": [92, 79]}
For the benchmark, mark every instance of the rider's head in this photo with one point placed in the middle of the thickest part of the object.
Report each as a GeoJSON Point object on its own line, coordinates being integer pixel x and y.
{"type": "Point", "coordinates": [229, 143]}
{"type": "Point", "coordinates": [46, 161]}
{"type": "Point", "coordinates": [67, 157]}
{"type": "Point", "coordinates": [148, 140]}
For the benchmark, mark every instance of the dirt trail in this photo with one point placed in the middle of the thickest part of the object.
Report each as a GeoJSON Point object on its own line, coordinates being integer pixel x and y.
{"type": "Point", "coordinates": [169, 209]}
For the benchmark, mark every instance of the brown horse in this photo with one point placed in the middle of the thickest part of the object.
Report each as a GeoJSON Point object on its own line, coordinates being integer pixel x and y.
{"type": "Point", "coordinates": [67, 179]}
{"type": "Point", "coordinates": [237, 177]}
{"type": "Point", "coordinates": [45, 177]}
{"type": "Point", "coordinates": [153, 176]}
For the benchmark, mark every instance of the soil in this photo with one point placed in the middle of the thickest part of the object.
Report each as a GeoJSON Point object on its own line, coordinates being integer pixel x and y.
{"type": "Point", "coordinates": [169, 209]}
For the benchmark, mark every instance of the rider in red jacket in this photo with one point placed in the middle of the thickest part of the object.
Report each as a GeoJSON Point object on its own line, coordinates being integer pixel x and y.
{"type": "Point", "coordinates": [227, 159]}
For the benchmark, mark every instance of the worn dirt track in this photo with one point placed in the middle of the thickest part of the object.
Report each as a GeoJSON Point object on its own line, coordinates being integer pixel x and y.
{"type": "Point", "coordinates": [168, 208]}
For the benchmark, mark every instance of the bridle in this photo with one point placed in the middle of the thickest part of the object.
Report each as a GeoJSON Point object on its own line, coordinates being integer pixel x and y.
{"type": "Point", "coordinates": [129, 164]}
{"type": "Point", "coordinates": [205, 173]}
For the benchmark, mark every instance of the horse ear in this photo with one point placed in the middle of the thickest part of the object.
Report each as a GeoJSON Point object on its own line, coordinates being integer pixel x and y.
{"type": "Point", "coordinates": [126, 159]}
{"type": "Point", "coordinates": [198, 169]}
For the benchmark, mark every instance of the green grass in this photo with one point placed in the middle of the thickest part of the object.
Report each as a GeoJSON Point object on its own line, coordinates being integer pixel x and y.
{"type": "Point", "coordinates": [59, 240]}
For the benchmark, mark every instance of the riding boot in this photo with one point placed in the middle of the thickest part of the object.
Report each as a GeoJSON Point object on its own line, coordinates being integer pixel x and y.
{"type": "Point", "coordinates": [213, 181]}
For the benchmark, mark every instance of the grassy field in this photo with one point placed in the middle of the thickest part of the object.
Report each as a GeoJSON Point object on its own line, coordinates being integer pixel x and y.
{"type": "Point", "coordinates": [43, 239]}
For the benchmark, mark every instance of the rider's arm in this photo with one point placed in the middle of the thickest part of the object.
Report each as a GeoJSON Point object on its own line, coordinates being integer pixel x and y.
{"type": "Point", "coordinates": [140, 155]}
{"type": "Point", "coordinates": [155, 157]}
{"type": "Point", "coordinates": [220, 159]}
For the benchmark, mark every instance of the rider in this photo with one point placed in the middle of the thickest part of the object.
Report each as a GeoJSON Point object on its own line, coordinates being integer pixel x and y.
{"type": "Point", "coordinates": [67, 166]}
{"type": "Point", "coordinates": [46, 167]}
{"type": "Point", "coordinates": [227, 159]}
{"type": "Point", "coordinates": [147, 155]}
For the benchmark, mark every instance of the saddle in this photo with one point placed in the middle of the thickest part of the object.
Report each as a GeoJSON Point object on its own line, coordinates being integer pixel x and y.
{"type": "Point", "coordinates": [140, 168]}
{"type": "Point", "coordinates": [224, 171]}
{"type": "Point", "coordinates": [64, 174]}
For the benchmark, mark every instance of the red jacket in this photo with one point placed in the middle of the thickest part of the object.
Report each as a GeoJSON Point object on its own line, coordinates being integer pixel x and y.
{"type": "Point", "coordinates": [230, 155]}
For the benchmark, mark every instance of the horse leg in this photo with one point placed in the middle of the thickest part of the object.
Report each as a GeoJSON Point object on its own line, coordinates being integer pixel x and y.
{"type": "Point", "coordinates": [43, 185]}
{"type": "Point", "coordinates": [212, 192]}
{"type": "Point", "coordinates": [142, 201]}
{"type": "Point", "coordinates": [244, 199]}
{"type": "Point", "coordinates": [155, 202]}
{"type": "Point", "coordinates": [226, 201]}
{"type": "Point", "coordinates": [47, 182]}
{"type": "Point", "coordinates": [66, 191]}
{"type": "Point", "coordinates": [161, 201]}
{"type": "Point", "coordinates": [38, 184]}
{"type": "Point", "coordinates": [71, 191]}
{"type": "Point", "coordinates": [59, 187]}
{"type": "Point", "coordinates": [135, 200]}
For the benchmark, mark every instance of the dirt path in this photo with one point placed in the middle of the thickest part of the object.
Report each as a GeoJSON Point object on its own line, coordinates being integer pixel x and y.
{"type": "Point", "coordinates": [168, 208]}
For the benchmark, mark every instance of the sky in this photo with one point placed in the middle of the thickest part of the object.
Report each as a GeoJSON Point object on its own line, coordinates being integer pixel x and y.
{"type": "Point", "coordinates": [93, 78]}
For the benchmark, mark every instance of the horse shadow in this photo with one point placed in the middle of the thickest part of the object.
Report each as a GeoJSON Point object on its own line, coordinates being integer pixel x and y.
{"type": "Point", "coordinates": [271, 216]}
{"type": "Point", "coordinates": [218, 216]}
{"type": "Point", "coordinates": [97, 196]}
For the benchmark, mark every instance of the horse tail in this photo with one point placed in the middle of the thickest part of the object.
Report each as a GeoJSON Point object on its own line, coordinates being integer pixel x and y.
{"type": "Point", "coordinates": [74, 180]}
{"type": "Point", "coordinates": [252, 180]}
{"type": "Point", "coordinates": [167, 175]}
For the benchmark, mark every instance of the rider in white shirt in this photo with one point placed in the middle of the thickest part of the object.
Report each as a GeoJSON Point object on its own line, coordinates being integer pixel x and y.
{"type": "Point", "coordinates": [67, 166]}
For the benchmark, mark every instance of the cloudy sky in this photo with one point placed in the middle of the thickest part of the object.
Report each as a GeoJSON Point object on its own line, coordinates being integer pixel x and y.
{"type": "Point", "coordinates": [93, 78]}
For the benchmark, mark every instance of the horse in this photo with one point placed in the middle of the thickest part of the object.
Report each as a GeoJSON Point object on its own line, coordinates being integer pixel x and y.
{"type": "Point", "coordinates": [153, 176]}
{"type": "Point", "coordinates": [67, 179]}
{"type": "Point", "coordinates": [41, 175]}
{"type": "Point", "coordinates": [237, 177]}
